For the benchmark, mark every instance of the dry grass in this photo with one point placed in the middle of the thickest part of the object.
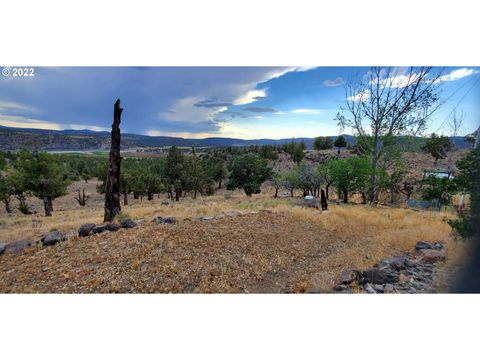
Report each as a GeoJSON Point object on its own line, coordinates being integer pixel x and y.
{"type": "Point", "coordinates": [291, 249]}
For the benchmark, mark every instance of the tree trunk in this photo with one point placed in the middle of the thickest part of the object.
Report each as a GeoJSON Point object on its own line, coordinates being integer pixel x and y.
{"type": "Point", "coordinates": [136, 195]}
{"type": "Point", "coordinates": [125, 198]}
{"type": "Point", "coordinates": [50, 204]}
{"type": "Point", "coordinates": [8, 209]}
{"type": "Point", "coordinates": [276, 192]}
{"type": "Point", "coordinates": [323, 200]}
{"type": "Point", "coordinates": [291, 192]}
{"type": "Point", "coordinates": [149, 195]}
{"type": "Point", "coordinates": [220, 183]}
{"type": "Point", "coordinates": [46, 206]}
{"type": "Point", "coordinates": [345, 196]}
{"type": "Point", "coordinates": [177, 195]}
{"type": "Point", "coordinates": [112, 195]}
{"type": "Point", "coordinates": [364, 198]}
{"type": "Point", "coordinates": [326, 189]}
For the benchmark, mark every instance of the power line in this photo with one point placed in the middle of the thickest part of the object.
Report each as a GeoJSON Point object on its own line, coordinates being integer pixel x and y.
{"type": "Point", "coordinates": [458, 103]}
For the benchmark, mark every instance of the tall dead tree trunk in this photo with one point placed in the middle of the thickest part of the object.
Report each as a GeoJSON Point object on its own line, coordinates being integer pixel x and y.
{"type": "Point", "coordinates": [112, 194]}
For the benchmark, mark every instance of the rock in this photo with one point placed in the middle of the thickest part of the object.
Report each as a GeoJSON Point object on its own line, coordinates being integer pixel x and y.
{"type": "Point", "coordinates": [374, 276]}
{"type": "Point", "coordinates": [165, 220]}
{"type": "Point", "coordinates": [2, 248]}
{"type": "Point", "coordinates": [165, 202]}
{"type": "Point", "coordinates": [140, 222]}
{"type": "Point", "coordinates": [208, 218]}
{"type": "Point", "coordinates": [431, 256]}
{"type": "Point", "coordinates": [17, 246]}
{"type": "Point", "coordinates": [378, 288]}
{"type": "Point", "coordinates": [369, 289]}
{"type": "Point", "coordinates": [52, 238]}
{"type": "Point", "coordinates": [423, 245]}
{"type": "Point", "coordinates": [389, 288]}
{"type": "Point", "coordinates": [219, 216]}
{"type": "Point", "coordinates": [395, 263]}
{"type": "Point", "coordinates": [232, 213]}
{"type": "Point", "coordinates": [97, 229]}
{"type": "Point", "coordinates": [349, 276]}
{"type": "Point", "coordinates": [127, 223]}
{"type": "Point", "coordinates": [70, 235]}
{"type": "Point", "coordinates": [342, 289]}
{"type": "Point", "coordinates": [85, 229]}
{"type": "Point", "coordinates": [169, 220]}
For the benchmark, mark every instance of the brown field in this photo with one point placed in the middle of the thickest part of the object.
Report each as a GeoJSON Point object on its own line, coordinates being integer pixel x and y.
{"type": "Point", "coordinates": [283, 249]}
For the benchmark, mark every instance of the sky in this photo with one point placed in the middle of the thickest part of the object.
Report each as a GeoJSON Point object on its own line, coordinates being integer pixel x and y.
{"type": "Point", "coordinates": [199, 102]}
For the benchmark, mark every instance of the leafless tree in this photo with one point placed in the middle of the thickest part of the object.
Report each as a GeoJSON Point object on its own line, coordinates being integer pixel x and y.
{"type": "Point", "coordinates": [456, 122]}
{"type": "Point", "coordinates": [388, 102]}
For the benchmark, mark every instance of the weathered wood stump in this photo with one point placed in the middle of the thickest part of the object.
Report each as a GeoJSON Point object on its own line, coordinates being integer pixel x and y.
{"type": "Point", "coordinates": [112, 194]}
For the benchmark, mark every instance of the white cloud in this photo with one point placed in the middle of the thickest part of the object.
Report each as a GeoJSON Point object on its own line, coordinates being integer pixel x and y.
{"type": "Point", "coordinates": [307, 111]}
{"type": "Point", "coordinates": [7, 106]}
{"type": "Point", "coordinates": [457, 74]}
{"type": "Point", "coordinates": [27, 123]}
{"type": "Point", "coordinates": [360, 96]}
{"type": "Point", "coordinates": [87, 127]}
{"type": "Point", "coordinates": [249, 97]}
{"type": "Point", "coordinates": [331, 83]}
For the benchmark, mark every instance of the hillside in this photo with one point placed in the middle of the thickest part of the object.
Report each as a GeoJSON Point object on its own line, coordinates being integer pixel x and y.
{"type": "Point", "coordinates": [80, 140]}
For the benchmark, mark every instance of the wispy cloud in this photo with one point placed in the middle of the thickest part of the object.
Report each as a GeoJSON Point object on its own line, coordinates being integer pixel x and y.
{"type": "Point", "coordinates": [332, 83]}
{"type": "Point", "coordinates": [307, 111]}
{"type": "Point", "coordinates": [27, 123]}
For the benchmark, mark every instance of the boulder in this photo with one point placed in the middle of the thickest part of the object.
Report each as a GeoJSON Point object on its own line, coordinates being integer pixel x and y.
{"type": "Point", "coordinates": [423, 245]}
{"type": "Point", "coordinates": [165, 220]}
{"type": "Point", "coordinates": [17, 246]}
{"type": "Point", "coordinates": [349, 276]}
{"type": "Point", "coordinates": [208, 218]}
{"type": "Point", "coordinates": [431, 256]}
{"type": "Point", "coordinates": [97, 229]}
{"type": "Point", "coordinates": [2, 248]}
{"type": "Point", "coordinates": [85, 229]}
{"type": "Point", "coordinates": [52, 238]}
{"type": "Point", "coordinates": [369, 289]}
{"type": "Point", "coordinates": [374, 276]}
{"type": "Point", "coordinates": [140, 222]}
{"type": "Point", "coordinates": [127, 223]}
{"type": "Point", "coordinates": [396, 263]}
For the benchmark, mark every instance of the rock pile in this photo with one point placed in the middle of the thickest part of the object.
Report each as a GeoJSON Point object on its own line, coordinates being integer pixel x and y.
{"type": "Point", "coordinates": [407, 273]}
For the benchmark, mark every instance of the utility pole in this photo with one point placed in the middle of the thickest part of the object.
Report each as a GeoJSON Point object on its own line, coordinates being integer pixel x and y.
{"type": "Point", "coordinates": [112, 194]}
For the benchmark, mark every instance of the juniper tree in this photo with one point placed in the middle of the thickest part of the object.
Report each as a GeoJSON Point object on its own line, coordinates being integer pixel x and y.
{"type": "Point", "coordinates": [44, 176]}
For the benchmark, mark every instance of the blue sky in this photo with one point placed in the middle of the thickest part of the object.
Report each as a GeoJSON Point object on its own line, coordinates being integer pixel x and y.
{"type": "Point", "coordinates": [241, 102]}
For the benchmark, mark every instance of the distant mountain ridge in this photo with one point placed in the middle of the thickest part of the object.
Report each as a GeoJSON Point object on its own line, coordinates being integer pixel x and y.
{"type": "Point", "coordinates": [88, 140]}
